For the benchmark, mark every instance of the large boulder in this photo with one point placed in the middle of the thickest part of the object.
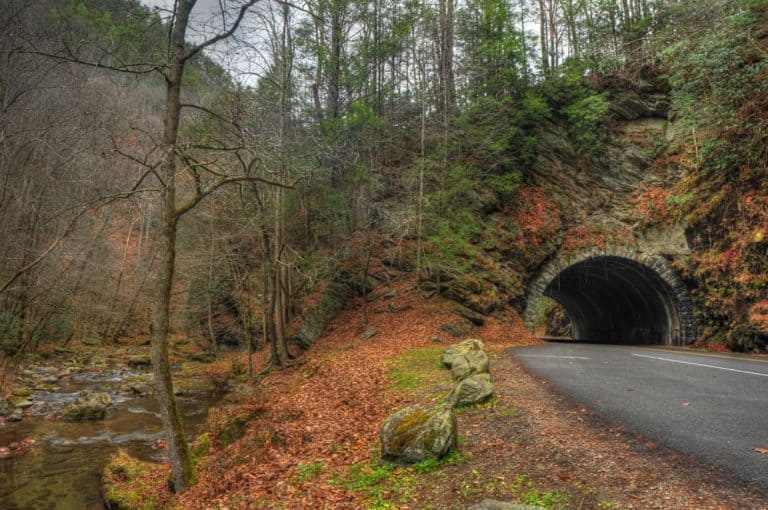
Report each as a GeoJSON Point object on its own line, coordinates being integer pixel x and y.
{"type": "Point", "coordinates": [492, 504]}
{"type": "Point", "coordinates": [456, 351]}
{"type": "Point", "coordinates": [472, 390]}
{"type": "Point", "coordinates": [90, 405]}
{"type": "Point", "coordinates": [473, 363]}
{"type": "Point", "coordinates": [415, 434]}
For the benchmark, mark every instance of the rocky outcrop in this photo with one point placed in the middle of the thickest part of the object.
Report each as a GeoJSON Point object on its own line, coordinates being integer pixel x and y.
{"type": "Point", "coordinates": [90, 405]}
{"type": "Point", "coordinates": [631, 105]}
{"type": "Point", "coordinates": [599, 187]}
{"type": "Point", "coordinates": [415, 434]}
{"type": "Point", "coordinates": [331, 302]}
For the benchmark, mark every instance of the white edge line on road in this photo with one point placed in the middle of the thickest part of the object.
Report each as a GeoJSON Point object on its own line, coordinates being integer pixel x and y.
{"type": "Point", "coordinates": [700, 365]}
{"type": "Point", "coordinates": [549, 356]}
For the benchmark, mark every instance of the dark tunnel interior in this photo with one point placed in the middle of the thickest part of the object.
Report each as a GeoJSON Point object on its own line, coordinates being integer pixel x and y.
{"type": "Point", "coordinates": [617, 300]}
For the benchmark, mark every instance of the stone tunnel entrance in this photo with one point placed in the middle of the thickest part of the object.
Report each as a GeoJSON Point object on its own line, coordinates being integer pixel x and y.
{"type": "Point", "coordinates": [617, 299]}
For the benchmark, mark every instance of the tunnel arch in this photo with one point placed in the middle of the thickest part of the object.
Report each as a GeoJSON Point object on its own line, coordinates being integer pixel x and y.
{"type": "Point", "coordinates": [617, 295]}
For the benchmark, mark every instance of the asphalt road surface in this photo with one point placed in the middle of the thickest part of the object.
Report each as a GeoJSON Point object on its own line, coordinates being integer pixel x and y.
{"type": "Point", "coordinates": [710, 406]}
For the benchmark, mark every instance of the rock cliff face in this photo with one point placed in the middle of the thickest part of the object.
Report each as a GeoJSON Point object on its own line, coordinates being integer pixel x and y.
{"type": "Point", "coordinates": [601, 187]}
{"type": "Point", "coordinates": [607, 261]}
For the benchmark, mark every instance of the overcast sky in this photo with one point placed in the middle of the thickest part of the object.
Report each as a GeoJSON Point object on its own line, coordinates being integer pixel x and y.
{"type": "Point", "coordinates": [244, 64]}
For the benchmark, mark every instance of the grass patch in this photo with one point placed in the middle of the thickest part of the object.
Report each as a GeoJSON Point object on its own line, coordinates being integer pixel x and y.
{"type": "Point", "coordinates": [389, 486]}
{"type": "Point", "coordinates": [368, 480]}
{"type": "Point", "coordinates": [417, 368]}
{"type": "Point", "coordinates": [508, 411]}
{"type": "Point", "coordinates": [306, 472]}
{"type": "Point", "coordinates": [429, 465]}
{"type": "Point", "coordinates": [530, 495]}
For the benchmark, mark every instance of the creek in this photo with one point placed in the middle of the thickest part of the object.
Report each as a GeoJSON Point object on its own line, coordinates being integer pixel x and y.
{"type": "Point", "coordinates": [63, 468]}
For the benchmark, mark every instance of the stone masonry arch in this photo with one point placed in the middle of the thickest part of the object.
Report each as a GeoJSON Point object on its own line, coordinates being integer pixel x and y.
{"type": "Point", "coordinates": [616, 294]}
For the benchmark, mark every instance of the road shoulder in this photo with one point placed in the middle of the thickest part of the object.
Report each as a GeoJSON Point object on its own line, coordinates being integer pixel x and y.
{"type": "Point", "coordinates": [560, 447]}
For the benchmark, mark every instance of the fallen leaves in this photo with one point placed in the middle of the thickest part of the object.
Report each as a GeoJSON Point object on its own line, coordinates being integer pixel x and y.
{"type": "Point", "coordinates": [327, 411]}
{"type": "Point", "coordinates": [762, 450]}
{"type": "Point", "coordinates": [19, 448]}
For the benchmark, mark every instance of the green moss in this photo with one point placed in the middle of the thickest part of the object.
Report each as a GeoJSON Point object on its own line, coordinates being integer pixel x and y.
{"type": "Point", "coordinates": [127, 483]}
{"type": "Point", "coordinates": [200, 448]}
{"type": "Point", "coordinates": [408, 429]}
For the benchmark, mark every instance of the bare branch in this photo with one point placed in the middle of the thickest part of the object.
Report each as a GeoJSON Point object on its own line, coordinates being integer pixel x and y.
{"type": "Point", "coordinates": [223, 182]}
{"type": "Point", "coordinates": [99, 202]}
{"type": "Point", "coordinates": [71, 58]}
{"type": "Point", "coordinates": [211, 113]}
{"type": "Point", "coordinates": [223, 35]}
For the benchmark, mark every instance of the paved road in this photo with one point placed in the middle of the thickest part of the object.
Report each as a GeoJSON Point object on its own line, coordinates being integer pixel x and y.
{"type": "Point", "coordinates": [712, 407]}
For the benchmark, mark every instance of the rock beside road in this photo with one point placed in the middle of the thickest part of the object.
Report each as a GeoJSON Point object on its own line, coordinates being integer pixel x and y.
{"type": "Point", "coordinates": [416, 433]}
{"type": "Point", "coordinates": [454, 352]}
{"type": "Point", "coordinates": [472, 390]}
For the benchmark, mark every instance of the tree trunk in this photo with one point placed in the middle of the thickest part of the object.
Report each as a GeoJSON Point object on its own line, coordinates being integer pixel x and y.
{"type": "Point", "coordinates": [178, 449]}
{"type": "Point", "coordinates": [445, 60]}
{"type": "Point", "coordinates": [543, 39]}
{"type": "Point", "coordinates": [211, 331]}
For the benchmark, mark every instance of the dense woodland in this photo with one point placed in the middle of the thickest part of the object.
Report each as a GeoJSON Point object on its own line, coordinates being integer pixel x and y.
{"type": "Point", "coordinates": [200, 172]}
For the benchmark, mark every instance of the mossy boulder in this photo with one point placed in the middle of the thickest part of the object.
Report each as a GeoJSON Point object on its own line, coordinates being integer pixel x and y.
{"type": "Point", "coordinates": [472, 390]}
{"type": "Point", "coordinates": [453, 352]}
{"type": "Point", "coordinates": [415, 434]}
{"type": "Point", "coordinates": [90, 405]}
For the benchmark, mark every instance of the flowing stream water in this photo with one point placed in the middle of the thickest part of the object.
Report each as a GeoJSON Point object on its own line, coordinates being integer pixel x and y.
{"type": "Point", "coordinates": [63, 469]}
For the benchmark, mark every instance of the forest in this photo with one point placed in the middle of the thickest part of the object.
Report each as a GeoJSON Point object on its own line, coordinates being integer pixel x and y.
{"type": "Point", "coordinates": [263, 193]}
